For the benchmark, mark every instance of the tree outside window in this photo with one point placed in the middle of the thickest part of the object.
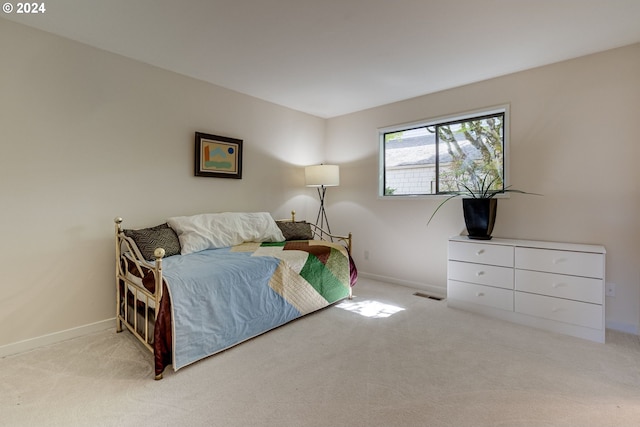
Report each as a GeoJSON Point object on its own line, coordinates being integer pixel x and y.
{"type": "Point", "coordinates": [444, 156]}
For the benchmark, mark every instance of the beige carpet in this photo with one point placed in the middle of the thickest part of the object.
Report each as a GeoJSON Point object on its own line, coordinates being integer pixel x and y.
{"type": "Point", "coordinates": [426, 365]}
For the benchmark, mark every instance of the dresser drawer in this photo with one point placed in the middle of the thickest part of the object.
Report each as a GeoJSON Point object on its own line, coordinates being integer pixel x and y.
{"type": "Point", "coordinates": [481, 274]}
{"type": "Point", "coordinates": [479, 294]}
{"type": "Point", "coordinates": [481, 253]}
{"type": "Point", "coordinates": [558, 285]}
{"type": "Point", "coordinates": [562, 310]}
{"type": "Point", "coordinates": [563, 262]}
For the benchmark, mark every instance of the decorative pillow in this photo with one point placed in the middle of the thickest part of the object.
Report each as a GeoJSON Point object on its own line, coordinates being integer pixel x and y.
{"type": "Point", "coordinates": [221, 230]}
{"type": "Point", "coordinates": [160, 236]}
{"type": "Point", "coordinates": [300, 230]}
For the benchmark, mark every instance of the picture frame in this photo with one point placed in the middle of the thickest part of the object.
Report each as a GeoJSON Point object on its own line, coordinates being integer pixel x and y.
{"type": "Point", "coordinates": [218, 156]}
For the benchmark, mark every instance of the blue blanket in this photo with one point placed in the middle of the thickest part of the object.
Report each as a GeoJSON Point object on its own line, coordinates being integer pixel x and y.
{"type": "Point", "coordinates": [221, 297]}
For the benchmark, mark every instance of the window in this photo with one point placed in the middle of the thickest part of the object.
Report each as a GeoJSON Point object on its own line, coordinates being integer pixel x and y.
{"type": "Point", "coordinates": [444, 155]}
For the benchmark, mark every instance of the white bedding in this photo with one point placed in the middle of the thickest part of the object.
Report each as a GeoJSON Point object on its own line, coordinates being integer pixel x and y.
{"type": "Point", "coordinates": [222, 230]}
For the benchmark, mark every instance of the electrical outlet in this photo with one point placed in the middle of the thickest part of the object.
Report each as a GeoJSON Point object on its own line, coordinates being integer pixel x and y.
{"type": "Point", "coordinates": [366, 255]}
{"type": "Point", "coordinates": [610, 290]}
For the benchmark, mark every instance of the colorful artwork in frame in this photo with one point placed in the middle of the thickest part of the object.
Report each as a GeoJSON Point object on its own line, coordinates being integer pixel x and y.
{"type": "Point", "coordinates": [218, 156]}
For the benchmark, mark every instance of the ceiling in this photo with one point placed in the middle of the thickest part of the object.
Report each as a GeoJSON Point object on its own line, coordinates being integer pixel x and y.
{"type": "Point", "coordinates": [333, 57]}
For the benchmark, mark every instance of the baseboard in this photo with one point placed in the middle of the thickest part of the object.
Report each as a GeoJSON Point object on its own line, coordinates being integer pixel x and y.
{"type": "Point", "coordinates": [56, 337]}
{"type": "Point", "coordinates": [436, 291]}
{"type": "Point", "coordinates": [623, 327]}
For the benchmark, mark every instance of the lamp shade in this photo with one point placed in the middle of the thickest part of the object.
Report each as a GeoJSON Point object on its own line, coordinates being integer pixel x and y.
{"type": "Point", "coordinates": [322, 175]}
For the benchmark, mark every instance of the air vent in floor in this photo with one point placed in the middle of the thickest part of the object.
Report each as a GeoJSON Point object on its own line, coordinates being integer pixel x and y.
{"type": "Point", "coordinates": [420, 294]}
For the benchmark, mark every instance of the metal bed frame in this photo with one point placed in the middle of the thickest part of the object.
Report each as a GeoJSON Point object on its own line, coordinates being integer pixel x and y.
{"type": "Point", "coordinates": [129, 257]}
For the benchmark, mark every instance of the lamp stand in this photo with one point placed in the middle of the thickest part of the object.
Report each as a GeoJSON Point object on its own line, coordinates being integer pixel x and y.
{"type": "Point", "coordinates": [322, 214]}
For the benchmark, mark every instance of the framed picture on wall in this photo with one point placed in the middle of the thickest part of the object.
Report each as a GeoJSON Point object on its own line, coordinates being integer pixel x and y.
{"type": "Point", "coordinates": [218, 156]}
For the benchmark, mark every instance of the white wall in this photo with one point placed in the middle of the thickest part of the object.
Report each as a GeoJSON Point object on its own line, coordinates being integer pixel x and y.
{"type": "Point", "coordinates": [575, 138]}
{"type": "Point", "coordinates": [87, 136]}
{"type": "Point", "coordinates": [78, 124]}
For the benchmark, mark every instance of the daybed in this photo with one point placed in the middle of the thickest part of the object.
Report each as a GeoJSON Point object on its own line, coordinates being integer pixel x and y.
{"type": "Point", "coordinates": [200, 284]}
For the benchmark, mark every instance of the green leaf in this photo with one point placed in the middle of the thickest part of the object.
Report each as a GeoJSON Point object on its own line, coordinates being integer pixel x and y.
{"type": "Point", "coordinates": [482, 191]}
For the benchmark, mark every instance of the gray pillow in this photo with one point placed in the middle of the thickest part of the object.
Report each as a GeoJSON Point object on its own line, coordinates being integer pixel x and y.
{"type": "Point", "coordinates": [295, 230]}
{"type": "Point", "coordinates": [160, 236]}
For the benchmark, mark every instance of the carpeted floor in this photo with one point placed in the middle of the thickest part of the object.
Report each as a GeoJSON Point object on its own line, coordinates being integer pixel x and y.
{"type": "Point", "coordinates": [401, 360]}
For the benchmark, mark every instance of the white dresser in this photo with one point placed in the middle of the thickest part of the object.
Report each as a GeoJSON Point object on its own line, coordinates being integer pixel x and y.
{"type": "Point", "coordinates": [549, 285]}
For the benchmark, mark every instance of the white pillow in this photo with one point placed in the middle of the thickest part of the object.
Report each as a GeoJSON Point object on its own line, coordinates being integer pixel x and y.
{"type": "Point", "coordinates": [220, 230]}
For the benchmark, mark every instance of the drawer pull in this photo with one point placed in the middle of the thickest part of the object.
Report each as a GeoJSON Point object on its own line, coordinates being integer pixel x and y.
{"type": "Point", "coordinates": [555, 309]}
{"type": "Point", "coordinates": [558, 260]}
{"type": "Point", "coordinates": [479, 294]}
{"type": "Point", "coordinates": [557, 285]}
{"type": "Point", "coordinates": [480, 273]}
{"type": "Point", "coordinates": [480, 252]}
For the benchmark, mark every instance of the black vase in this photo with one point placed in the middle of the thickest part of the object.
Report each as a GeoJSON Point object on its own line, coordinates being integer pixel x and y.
{"type": "Point", "coordinates": [480, 216]}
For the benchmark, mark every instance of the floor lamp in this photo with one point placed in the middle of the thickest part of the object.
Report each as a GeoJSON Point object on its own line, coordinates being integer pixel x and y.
{"type": "Point", "coordinates": [321, 177]}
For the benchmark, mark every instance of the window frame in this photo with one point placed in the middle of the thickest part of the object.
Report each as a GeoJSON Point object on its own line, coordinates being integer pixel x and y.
{"type": "Point", "coordinates": [443, 120]}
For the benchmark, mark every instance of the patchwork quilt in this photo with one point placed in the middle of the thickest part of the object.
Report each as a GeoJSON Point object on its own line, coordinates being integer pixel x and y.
{"type": "Point", "coordinates": [222, 297]}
